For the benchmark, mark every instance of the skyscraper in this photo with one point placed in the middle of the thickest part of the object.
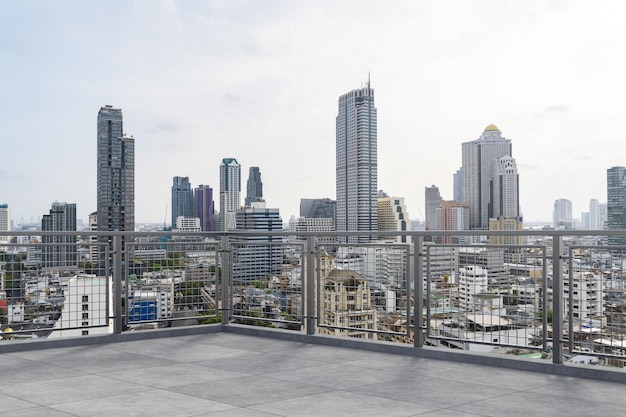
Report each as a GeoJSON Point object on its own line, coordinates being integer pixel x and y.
{"type": "Point", "coordinates": [452, 215]}
{"type": "Point", "coordinates": [182, 199]}
{"type": "Point", "coordinates": [254, 187]}
{"type": "Point", "coordinates": [5, 221]}
{"type": "Point", "coordinates": [562, 214]}
{"type": "Point", "coordinates": [357, 164]}
{"type": "Point", "coordinates": [318, 208]}
{"type": "Point", "coordinates": [257, 257]}
{"type": "Point", "coordinates": [505, 190]}
{"type": "Point", "coordinates": [616, 202]}
{"type": "Point", "coordinates": [432, 200]}
{"type": "Point", "coordinates": [457, 185]}
{"type": "Point", "coordinates": [63, 253]}
{"type": "Point", "coordinates": [393, 217]}
{"type": "Point", "coordinates": [204, 207]}
{"type": "Point", "coordinates": [230, 193]}
{"type": "Point", "coordinates": [481, 174]}
{"type": "Point", "coordinates": [116, 175]}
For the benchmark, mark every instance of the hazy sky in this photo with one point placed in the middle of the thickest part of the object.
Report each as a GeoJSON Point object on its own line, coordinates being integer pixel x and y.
{"type": "Point", "coordinates": [199, 81]}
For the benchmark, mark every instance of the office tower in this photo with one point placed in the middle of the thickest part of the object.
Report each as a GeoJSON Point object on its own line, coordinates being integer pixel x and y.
{"type": "Point", "coordinates": [5, 221]}
{"type": "Point", "coordinates": [254, 187]}
{"type": "Point", "coordinates": [356, 164]}
{"type": "Point", "coordinates": [452, 215]}
{"type": "Point", "coordinates": [481, 173]}
{"type": "Point", "coordinates": [506, 223]}
{"type": "Point", "coordinates": [594, 215]}
{"type": "Point", "coordinates": [457, 185]}
{"type": "Point", "coordinates": [257, 257]}
{"type": "Point", "coordinates": [318, 208]}
{"type": "Point", "coordinates": [432, 199]}
{"type": "Point", "coordinates": [204, 207]}
{"type": "Point", "coordinates": [393, 217]}
{"type": "Point", "coordinates": [603, 215]}
{"type": "Point", "coordinates": [562, 214]}
{"type": "Point", "coordinates": [116, 178]}
{"type": "Point", "coordinates": [63, 250]}
{"type": "Point", "coordinates": [230, 190]}
{"type": "Point", "coordinates": [505, 190]}
{"type": "Point", "coordinates": [182, 199]}
{"type": "Point", "coordinates": [93, 227]}
{"type": "Point", "coordinates": [616, 202]}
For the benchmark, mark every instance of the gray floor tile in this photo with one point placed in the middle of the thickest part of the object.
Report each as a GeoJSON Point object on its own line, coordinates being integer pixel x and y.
{"type": "Point", "coordinates": [63, 390]}
{"type": "Point", "coordinates": [336, 376]}
{"type": "Point", "coordinates": [37, 411]}
{"type": "Point", "coordinates": [9, 403]}
{"type": "Point", "coordinates": [432, 390]}
{"type": "Point", "coordinates": [534, 404]}
{"type": "Point", "coordinates": [147, 403]}
{"type": "Point", "coordinates": [173, 375]}
{"type": "Point", "coordinates": [599, 391]}
{"type": "Point", "coordinates": [338, 403]}
{"type": "Point", "coordinates": [250, 390]}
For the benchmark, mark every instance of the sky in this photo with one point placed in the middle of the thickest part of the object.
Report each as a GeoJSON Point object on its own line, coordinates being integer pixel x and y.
{"type": "Point", "coordinates": [259, 81]}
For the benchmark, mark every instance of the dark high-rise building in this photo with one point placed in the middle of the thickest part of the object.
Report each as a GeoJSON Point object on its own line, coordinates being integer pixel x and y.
{"type": "Point", "coordinates": [616, 202]}
{"type": "Point", "coordinates": [357, 164]}
{"type": "Point", "coordinates": [63, 252]}
{"type": "Point", "coordinates": [254, 187]}
{"type": "Point", "coordinates": [432, 200]}
{"type": "Point", "coordinates": [318, 208]}
{"type": "Point", "coordinates": [204, 207]}
{"type": "Point", "coordinates": [182, 199]}
{"type": "Point", "coordinates": [116, 177]}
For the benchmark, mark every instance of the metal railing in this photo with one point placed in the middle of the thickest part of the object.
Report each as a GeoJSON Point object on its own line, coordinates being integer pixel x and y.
{"type": "Point", "coordinates": [557, 296]}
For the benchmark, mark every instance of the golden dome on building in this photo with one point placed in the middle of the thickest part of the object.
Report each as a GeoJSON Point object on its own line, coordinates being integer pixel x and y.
{"type": "Point", "coordinates": [491, 127]}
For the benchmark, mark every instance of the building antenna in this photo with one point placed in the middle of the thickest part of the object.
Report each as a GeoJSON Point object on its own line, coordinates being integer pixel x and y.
{"type": "Point", "coordinates": [368, 79]}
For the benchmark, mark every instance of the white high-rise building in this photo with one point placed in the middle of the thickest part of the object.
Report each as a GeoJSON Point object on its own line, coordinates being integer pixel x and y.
{"type": "Point", "coordinates": [480, 172]}
{"type": "Point", "coordinates": [562, 214]}
{"type": "Point", "coordinates": [505, 189]}
{"type": "Point", "coordinates": [5, 221]}
{"type": "Point", "coordinates": [230, 193]}
{"type": "Point", "coordinates": [594, 215]}
{"type": "Point", "coordinates": [357, 164]}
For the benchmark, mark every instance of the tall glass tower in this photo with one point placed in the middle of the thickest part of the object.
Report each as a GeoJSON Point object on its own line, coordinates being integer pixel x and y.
{"type": "Point", "coordinates": [357, 164]}
{"type": "Point", "coordinates": [116, 175]}
{"type": "Point", "coordinates": [254, 187]}
{"type": "Point", "coordinates": [230, 193]}
{"type": "Point", "coordinates": [616, 202]}
{"type": "Point", "coordinates": [482, 170]}
{"type": "Point", "coordinates": [63, 253]}
{"type": "Point", "coordinates": [182, 199]}
{"type": "Point", "coordinates": [204, 206]}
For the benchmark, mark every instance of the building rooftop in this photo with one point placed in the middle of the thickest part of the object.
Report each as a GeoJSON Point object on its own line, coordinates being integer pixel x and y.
{"type": "Point", "coordinates": [228, 374]}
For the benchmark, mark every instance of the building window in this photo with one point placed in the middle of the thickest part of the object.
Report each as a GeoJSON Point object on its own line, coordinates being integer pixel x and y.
{"type": "Point", "coordinates": [85, 315]}
{"type": "Point", "coordinates": [85, 307]}
{"type": "Point", "coordinates": [85, 332]}
{"type": "Point", "coordinates": [85, 298]}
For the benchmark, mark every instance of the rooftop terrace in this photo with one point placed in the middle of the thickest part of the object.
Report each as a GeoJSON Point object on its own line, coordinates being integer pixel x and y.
{"type": "Point", "coordinates": [221, 371]}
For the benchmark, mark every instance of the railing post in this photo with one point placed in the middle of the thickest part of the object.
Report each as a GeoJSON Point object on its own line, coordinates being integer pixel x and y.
{"type": "Point", "coordinates": [418, 292]}
{"type": "Point", "coordinates": [117, 284]}
{"type": "Point", "coordinates": [557, 300]}
{"type": "Point", "coordinates": [225, 275]}
{"type": "Point", "coordinates": [309, 285]}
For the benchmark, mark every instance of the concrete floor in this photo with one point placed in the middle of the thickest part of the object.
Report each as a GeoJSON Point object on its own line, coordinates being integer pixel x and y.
{"type": "Point", "coordinates": [224, 374]}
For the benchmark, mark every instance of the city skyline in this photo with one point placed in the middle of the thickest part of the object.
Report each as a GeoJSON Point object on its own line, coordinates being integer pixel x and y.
{"type": "Point", "coordinates": [222, 79]}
